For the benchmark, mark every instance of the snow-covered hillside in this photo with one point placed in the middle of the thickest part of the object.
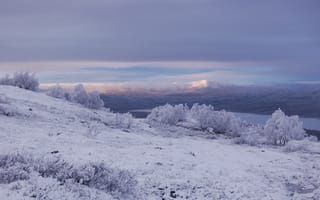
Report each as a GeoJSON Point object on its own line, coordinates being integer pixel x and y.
{"type": "Point", "coordinates": [142, 162]}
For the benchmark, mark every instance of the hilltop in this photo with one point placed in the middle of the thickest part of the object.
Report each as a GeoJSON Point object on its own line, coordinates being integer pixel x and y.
{"type": "Point", "coordinates": [42, 139]}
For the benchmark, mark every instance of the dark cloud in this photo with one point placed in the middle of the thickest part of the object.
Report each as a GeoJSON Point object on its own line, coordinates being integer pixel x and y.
{"type": "Point", "coordinates": [283, 34]}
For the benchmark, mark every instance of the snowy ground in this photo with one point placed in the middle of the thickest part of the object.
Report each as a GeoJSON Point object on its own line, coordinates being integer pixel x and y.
{"type": "Point", "coordinates": [168, 163]}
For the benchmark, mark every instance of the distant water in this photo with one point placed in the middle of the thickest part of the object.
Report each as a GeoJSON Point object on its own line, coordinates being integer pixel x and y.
{"type": "Point", "coordinates": [140, 113]}
{"type": "Point", "coordinates": [308, 123]}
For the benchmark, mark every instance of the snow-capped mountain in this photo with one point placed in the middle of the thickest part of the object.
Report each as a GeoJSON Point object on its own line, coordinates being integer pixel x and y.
{"type": "Point", "coordinates": [48, 145]}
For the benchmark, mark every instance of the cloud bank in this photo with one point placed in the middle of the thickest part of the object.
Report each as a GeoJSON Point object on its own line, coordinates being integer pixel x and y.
{"type": "Point", "coordinates": [281, 38]}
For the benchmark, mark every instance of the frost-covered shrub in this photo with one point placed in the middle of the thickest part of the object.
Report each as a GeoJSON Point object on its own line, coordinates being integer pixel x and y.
{"type": "Point", "coordinates": [26, 81]}
{"type": "Point", "coordinates": [68, 96]}
{"type": "Point", "coordinates": [293, 146]}
{"type": "Point", "coordinates": [23, 80]}
{"type": "Point", "coordinates": [52, 166]}
{"type": "Point", "coordinates": [305, 146]}
{"type": "Point", "coordinates": [251, 135]}
{"type": "Point", "coordinates": [94, 101]}
{"type": "Point", "coordinates": [41, 188]}
{"type": "Point", "coordinates": [220, 121]}
{"type": "Point", "coordinates": [124, 120]}
{"type": "Point", "coordinates": [90, 100]}
{"type": "Point", "coordinates": [13, 167]}
{"type": "Point", "coordinates": [97, 175]}
{"type": "Point", "coordinates": [168, 114]}
{"type": "Point", "coordinates": [80, 95]}
{"type": "Point", "coordinates": [312, 138]}
{"type": "Point", "coordinates": [279, 129]}
{"type": "Point", "coordinates": [203, 115]}
{"type": "Point", "coordinates": [5, 108]}
{"type": "Point", "coordinates": [199, 116]}
{"type": "Point", "coordinates": [226, 123]}
{"type": "Point", "coordinates": [56, 92]}
{"type": "Point", "coordinates": [6, 80]}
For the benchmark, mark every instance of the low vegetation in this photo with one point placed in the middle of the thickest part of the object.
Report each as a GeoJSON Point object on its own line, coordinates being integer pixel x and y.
{"type": "Point", "coordinates": [122, 120]}
{"type": "Point", "coordinates": [79, 95]}
{"type": "Point", "coordinates": [24, 80]}
{"type": "Point", "coordinates": [278, 130]}
{"type": "Point", "coordinates": [17, 167]}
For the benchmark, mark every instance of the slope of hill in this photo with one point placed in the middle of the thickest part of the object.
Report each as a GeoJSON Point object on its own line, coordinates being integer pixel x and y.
{"type": "Point", "coordinates": [142, 162]}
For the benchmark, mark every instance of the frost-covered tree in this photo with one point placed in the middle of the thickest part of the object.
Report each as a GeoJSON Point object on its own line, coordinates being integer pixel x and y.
{"type": "Point", "coordinates": [94, 101]}
{"type": "Point", "coordinates": [203, 115]}
{"type": "Point", "coordinates": [124, 120]}
{"type": "Point", "coordinates": [251, 135]}
{"type": "Point", "coordinates": [23, 80]}
{"type": "Point", "coordinates": [220, 121]}
{"type": "Point", "coordinates": [168, 114]}
{"type": "Point", "coordinates": [90, 100]}
{"type": "Point", "coordinates": [26, 81]}
{"type": "Point", "coordinates": [80, 95]}
{"type": "Point", "coordinates": [227, 123]}
{"type": "Point", "coordinates": [6, 80]}
{"type": "Point", "coordinates": [56, 92]}
{"type": "Point", "coordinates": [199, 116]}
{"type": "Point", "coordinates": [279, 129]}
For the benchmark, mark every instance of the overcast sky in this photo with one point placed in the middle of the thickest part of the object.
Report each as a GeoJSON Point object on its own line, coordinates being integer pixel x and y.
{"type": "Point", "coordinates": [247, 41]}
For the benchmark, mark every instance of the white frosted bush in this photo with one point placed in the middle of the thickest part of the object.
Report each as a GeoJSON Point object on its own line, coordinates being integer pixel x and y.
{"type": "Point", "coordinates": [23, 80]}
{"type": "Point", "coordinates": [199, 116]}
{"type": "Point", "coordinates": [26, 81]}
{"type": "Point", "coordinates": [79, 95]}
{"type": "Point", "coordinates": [226, 123]}
{"type": "Point", "coordinates": [279, 129]}
{"type": "Point", "coordinates": [312, 138]}
{"type": "Point", "coordinates": [251, 135]}
{"type": "Point", "coordinates": [41, 188]}
{"type": "Point", "coordinates": [203, 115]}
{"type": "Point", "coordinates": [99, 176]}
{"type": "Point", "coordinates": [94, 101]}
{"type": "Point", "coordinates": [7, 109]}
{"type": "Point", "coordinates": [56, 92]}
{"type": "Point", "coordinates": [90, 100]}
{"type": "Point", "coordinates": [168, 114]}
{"type": "Point", "coordinates": [6, 80]}
{"type": "Point", "coordinates": [220, 121]}
{"type": "Point", "coordinates": [293, 146]}
{"type": "Point", "coordinates": [15, 167]}
{"type": "Point", "coordinates": [4, 106]}
{"type": "Point", "coordinates": [124, 120]}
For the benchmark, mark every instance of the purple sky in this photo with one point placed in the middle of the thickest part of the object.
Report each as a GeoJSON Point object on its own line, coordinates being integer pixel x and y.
{"type": "Point", "coordinates": [144, 41]}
